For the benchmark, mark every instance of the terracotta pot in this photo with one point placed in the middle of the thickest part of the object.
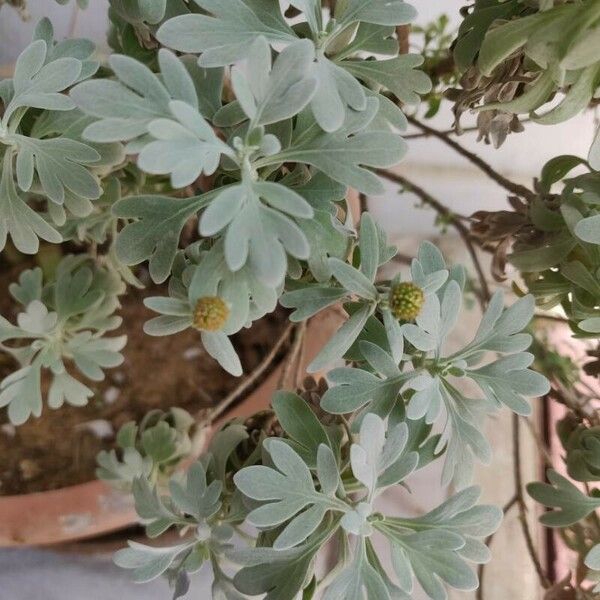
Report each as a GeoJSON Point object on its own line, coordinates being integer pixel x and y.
{"type": "Point", "coordinates": [94, 508]}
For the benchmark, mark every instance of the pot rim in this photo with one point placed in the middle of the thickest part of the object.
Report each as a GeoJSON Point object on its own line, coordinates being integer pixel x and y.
{"type": "Point", "coordinates": [91, 509]}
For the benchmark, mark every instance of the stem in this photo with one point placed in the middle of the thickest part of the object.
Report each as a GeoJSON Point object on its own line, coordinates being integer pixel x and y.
{"type": "Point", "coordinates": [426, 134]}
{"type": "Point", "coordinates": [455, 221]}
{"type": "Point", "coordinates": [293, 356]}
{"type": "Point", "coordinates": [514, 188]}
{"type": "Point", "coordinates": [518, 479]}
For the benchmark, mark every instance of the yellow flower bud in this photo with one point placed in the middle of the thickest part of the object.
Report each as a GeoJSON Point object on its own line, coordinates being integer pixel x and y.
{"type": "Point", "coordinates": [211, 313]}
{"type": "Point", "coordinates": [406, 301]}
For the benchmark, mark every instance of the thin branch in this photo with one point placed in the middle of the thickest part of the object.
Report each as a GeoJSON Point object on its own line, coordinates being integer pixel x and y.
{"type": "Point", "coordinates": [453, 131]}
{"type": "Point", "coordinates": [363, 203]}
{"type": "Point", "coordinates": [555, 318]}
{"type": "Point", "coordinates": [488, 542]}
{"type": "Point", "coordinates": [293, 355]}
{"type": "Point", "coordinates": [403, 33]}
{"type": "Point", "coordinates": [403, 259]}
{"type": "Point", "coordinates": [507, 184]}
{"type": "Point", "coordinates": [456, 222]}
{"type": "Point", "coordinates": [218, 410]}
{"type": "Point", "coordinates": [427, 134]}
{"type": "Point", "coordinates": [518, 479]}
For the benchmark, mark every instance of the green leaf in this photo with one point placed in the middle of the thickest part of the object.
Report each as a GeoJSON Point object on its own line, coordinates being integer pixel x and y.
{"type": "Point", "coordinates": [139, 12]}
{"type": "Point", "coordinates": [158, 442]}
{"type": "Point", "coordinates": [342, 339]}
{"type": "Point", "coordinates": [397, 75]}
{"type": "Point", "coordinates": [501, 42]}
{"type": "Point", "coordinates": [571, 503]}
{"type": "Point", "coordinates": [575, 100]}
{"type": "Point", "coordinates": [155, 235]}
{"type": "Point", "coordinates": [557, 168]}
{"type": "Point", "coordinates": [300, 423]}
{"type": "Point", "coordinates": [475, 25]}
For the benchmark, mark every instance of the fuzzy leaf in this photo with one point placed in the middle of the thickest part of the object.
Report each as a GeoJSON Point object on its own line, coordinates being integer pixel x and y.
{"type": "Point", "coordinates": [572, 505]}
{"type": "Point", "coordinates": [224, 36]}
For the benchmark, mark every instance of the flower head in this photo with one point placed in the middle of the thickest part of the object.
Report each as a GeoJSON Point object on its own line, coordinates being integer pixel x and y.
{"type": "Point", "coordinates": [406, 300]}
{"type": "Point", "coordinates": [210, 314]}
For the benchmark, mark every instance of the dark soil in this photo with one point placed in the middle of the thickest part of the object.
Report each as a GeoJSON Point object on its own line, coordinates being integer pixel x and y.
{"type": "Point", "coordinates": [59, 448]}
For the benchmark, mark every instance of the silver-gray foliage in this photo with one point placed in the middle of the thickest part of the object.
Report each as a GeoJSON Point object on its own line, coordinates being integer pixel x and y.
{"type": "Point", "coordinates": [217, 147]}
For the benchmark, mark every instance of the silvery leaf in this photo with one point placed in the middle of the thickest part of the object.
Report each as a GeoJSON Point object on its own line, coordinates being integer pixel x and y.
{"type": "Point", "coordinates": [269, 94]}
{"type": "Point", "coordinates": [17, 219]}
{"type": "Point", "coordinates": [289, 493]}
{"type": "Point", "coordinates": [21, 392]}
{"type": "Point", "coordinates": [223, 36]}
{"type": "Point", "coordinates": [592, 561]}
{"type": "Point", "coordinates": [340, 155]}
{"type": "Point", "coordinates": [255, 233]}
{"type": "Point", "coordinates": [148, 562]}
{"type": "Point", "coordinates": [37, 83]}
{"type": "Point", "coordinates": [508, 381]}
{"type": "Point", "coordinates": [124, 471]}
{"type": "Point", "coordinates": [218, 345]}
{"type": "Point", "coordinates": [154, 236]}
{"type": "Point", "coordinates": [126, 106]}
{"type": "Point", "coordinates": [360, 580]}
{"type": "Point", "coordinates": [380, 12]}
{"type": "Point", "coordinates": [342, 339]}
{"type": "Point", "coordinates": [183, 147]}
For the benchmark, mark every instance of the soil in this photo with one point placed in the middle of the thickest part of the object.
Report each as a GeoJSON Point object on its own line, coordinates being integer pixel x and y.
{"type": "Point", "coordinates": [59, 448]}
